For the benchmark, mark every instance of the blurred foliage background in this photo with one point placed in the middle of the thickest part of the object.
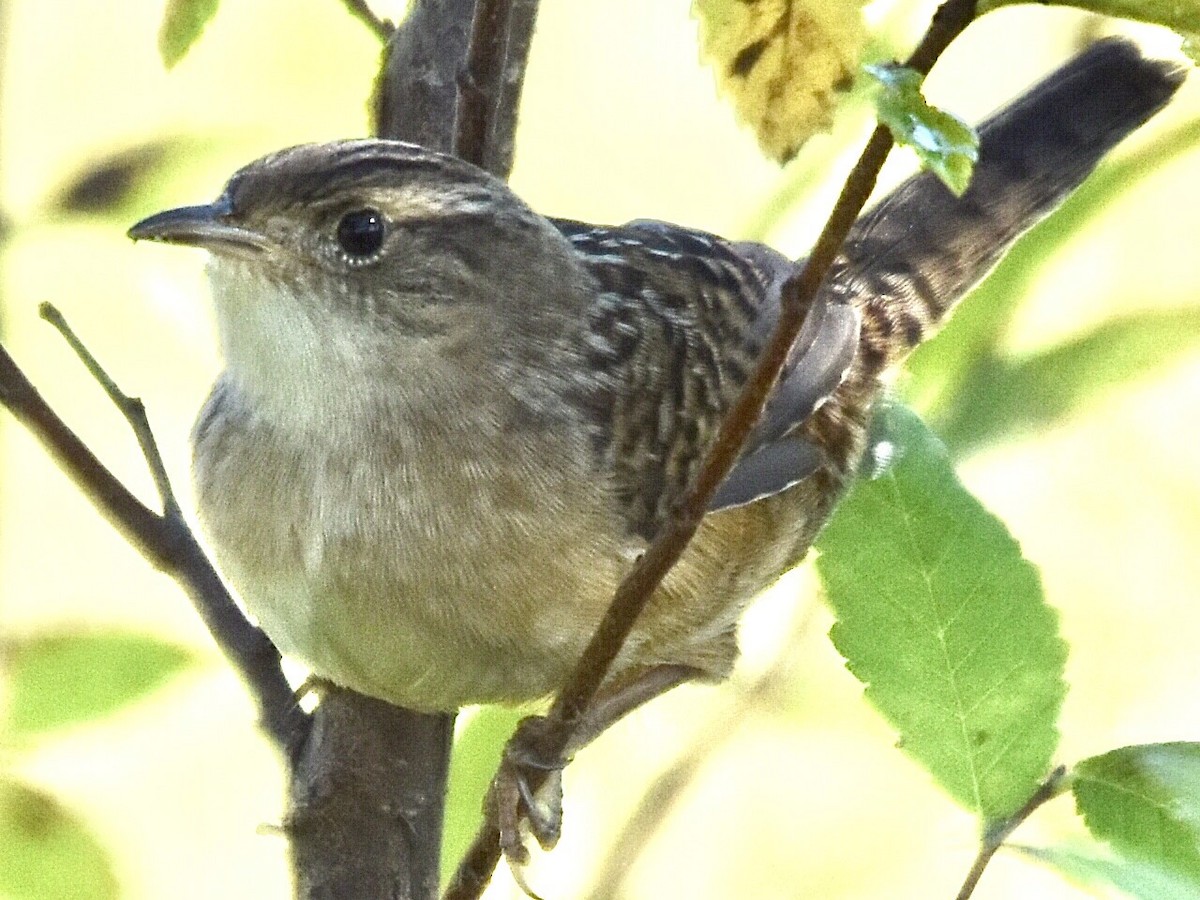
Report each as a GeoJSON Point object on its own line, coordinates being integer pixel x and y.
{"type": "Point", "coordinates": [1068, 388]}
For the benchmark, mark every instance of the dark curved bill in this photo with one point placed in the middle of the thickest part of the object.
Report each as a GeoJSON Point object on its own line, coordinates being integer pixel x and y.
{"type": "Point", "coordinates": [205, 226]}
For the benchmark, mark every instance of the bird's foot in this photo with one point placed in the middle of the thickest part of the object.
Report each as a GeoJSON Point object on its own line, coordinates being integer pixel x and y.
{"type": "Point", "coordinates": [527, 790]}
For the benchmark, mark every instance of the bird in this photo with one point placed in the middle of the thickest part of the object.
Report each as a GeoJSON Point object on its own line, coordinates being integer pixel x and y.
{"type": "Point", "coordinates": [447, 426]}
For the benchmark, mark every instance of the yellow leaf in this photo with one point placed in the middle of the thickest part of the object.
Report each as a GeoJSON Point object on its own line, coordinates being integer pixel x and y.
{"type": "Point", "coordinates": [781, 62]}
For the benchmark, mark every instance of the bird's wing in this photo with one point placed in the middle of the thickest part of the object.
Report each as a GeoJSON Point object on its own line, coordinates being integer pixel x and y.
{"type": "Point", "coordinates": [678, 323]}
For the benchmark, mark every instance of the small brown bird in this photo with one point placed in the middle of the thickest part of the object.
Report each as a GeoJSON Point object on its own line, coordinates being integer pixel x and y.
{"type": "Point", "coordinates": [448, 425]}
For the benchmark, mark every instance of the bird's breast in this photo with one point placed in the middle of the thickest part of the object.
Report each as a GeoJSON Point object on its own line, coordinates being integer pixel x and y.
{"type": "Point", "coordinates": [429, 564]}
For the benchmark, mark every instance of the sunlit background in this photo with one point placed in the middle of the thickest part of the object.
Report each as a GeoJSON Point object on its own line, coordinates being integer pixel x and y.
{"type": "Point", "coordinates": [786, 783]}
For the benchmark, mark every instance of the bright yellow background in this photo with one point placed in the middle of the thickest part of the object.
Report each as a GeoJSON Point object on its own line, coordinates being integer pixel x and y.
{"type": "Point", "coordinates": [801, 796]}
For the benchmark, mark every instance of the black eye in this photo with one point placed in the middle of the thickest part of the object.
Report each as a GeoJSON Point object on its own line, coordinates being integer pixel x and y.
{"type": "Point", "coordinates": [360, 233]}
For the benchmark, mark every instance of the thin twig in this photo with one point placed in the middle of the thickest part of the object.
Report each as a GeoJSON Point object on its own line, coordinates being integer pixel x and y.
{"type": "Point", "coordinates": [382, 28]}
{"type": "Point", "coordinates": [164, 540]}
{"type": "Point", "coordinates": [634, 592]}
{"type": "Point", "coordinates": [131, 408]}
{"type": "Point", "coordinates": [998, 832]}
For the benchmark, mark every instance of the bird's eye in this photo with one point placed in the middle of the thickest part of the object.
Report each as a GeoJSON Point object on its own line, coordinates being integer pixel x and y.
{"type": "Point", "coordinates": [360, 233]}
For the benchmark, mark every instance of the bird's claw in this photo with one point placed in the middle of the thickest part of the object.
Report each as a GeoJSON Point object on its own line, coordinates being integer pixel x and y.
{"type": "Point", "coordinates": [527, 789]}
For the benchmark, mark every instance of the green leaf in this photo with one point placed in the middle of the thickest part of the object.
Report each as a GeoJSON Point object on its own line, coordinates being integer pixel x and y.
{"type": "Point", "coordinates": [946, 145]}
{"type": "Point", "coordinates": [1134, 878]}
{"type": "Point", "coordinates": [944, 621]}
{"type": "Point", "coordinates": [782, 63]}
{"type": "Point", "coordinates": [183, 22]}
{"type": "Point", "coordinates": [1008, 397]}
{"type": "Point", "coordinates": [1191, 46]}
{"type": "Point", "coordinates": [1145, 801]}
{"type": "Point", "coordinates": [59, 679]}
{"type": "Point", "coordinates": [477, 752]}
{"type": "Point", "coordinates": [48, 854]}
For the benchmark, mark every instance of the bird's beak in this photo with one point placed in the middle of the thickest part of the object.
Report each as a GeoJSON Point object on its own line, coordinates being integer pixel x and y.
{"type": "Point", "coordinates": [208, 226]}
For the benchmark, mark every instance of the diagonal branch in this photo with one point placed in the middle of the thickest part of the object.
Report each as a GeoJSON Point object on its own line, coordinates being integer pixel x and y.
{"type": "Point", "coordinates": [163, 539]}
{"type": "Point", "coordinates": [632, 595]}
{"type": "Point", "coordinates": [796, 296]}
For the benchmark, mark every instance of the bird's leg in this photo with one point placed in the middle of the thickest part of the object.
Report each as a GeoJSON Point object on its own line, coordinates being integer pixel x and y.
{"type": "Point", "coordinates": [529, 785]}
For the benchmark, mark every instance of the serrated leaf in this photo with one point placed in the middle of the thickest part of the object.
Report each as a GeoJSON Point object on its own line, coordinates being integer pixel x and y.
{"type": "Point", "coordinates": [1133, 878]}
{"type": "Point", "coordinates": [62, 678]}
{"type": "Point", "coordinates": [943, 620]}
{"type": "Point", "coordinates": [183, 23]}
{"type": "Point", "coordinates": [946, 145]}
{"type": "Point", "coordinates": [48, 854]}
{"type": "Point", "coordinates": [1145, 801]}
{"type": "Point", "coordinates": [477, 752]}
{"type": "Point", "coordinates": [782, 63]}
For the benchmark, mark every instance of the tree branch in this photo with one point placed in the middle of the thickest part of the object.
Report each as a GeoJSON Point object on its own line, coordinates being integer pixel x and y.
{"type": "Point", "coordinates": [485, 55]}
{"type": "Point", "coordinates": [164, 540]}
{"type": "Point", "coordinates": [416, 91]}
{"type": "Point", "coordinates": [499, 148]}
{"type": "Point", "coordinates": [552, 738]}
{"type": "Point", "coordinates": [490, 84]}
{"type": "Point", "coordinates": [368, 794]}
{"type": "Point", "coordinates": [452, 76]}
{"type": "Point", "coordinates": [796, 296]}
{"type": "Point", "coordinates": [367, 800]}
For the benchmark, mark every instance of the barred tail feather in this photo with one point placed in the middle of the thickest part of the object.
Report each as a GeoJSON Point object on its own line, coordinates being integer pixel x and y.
{"type": "Point", "coordinates": [912, 257]}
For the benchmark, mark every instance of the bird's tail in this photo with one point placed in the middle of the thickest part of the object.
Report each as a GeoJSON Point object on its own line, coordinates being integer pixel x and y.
{"type": "Point", "coordinates": [912, 257]}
